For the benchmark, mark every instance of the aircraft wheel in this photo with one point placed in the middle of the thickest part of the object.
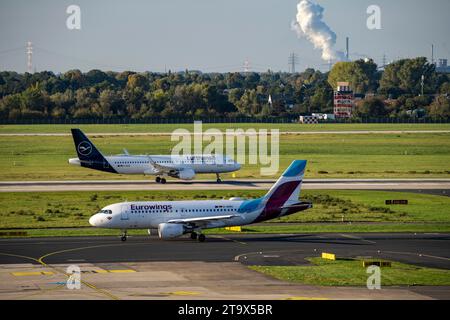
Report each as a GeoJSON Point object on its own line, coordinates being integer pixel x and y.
{"type": "Point", "coordinates": [158, 179]}
{"type": "Point", "coordinates": [194, 235]}
{"type": "Point", "coordinates": [201, 238]}
{"type": "Point", "coordinates": [163, 181]}
{"type": "Point", "coordinates": [123, 238]}
{"type": "Point", "coordinates": [219, 180]}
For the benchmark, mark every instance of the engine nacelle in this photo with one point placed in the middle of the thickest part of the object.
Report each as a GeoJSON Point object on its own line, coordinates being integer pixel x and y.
{"type": "Point", "coordinates": [75, 161]}
{"type": "Point", "coordinates": [236, 199]}
{"type": "Point", "coordinates": [170, 230]}
{"type": "Point", "coordinates": [186, 174]}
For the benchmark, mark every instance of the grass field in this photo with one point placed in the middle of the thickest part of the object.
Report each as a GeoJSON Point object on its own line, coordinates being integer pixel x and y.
{"type": "Point", "coordinates": [352, 273]}
{"type": "Point", "coordinates": [341, 211]}
{"type": "Point", "coordinates": [283, 127]}
{"type": "Point", "coordinates": [412, 155]}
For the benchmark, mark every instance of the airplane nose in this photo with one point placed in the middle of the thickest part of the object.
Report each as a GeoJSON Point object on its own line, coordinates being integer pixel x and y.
{"type": "Point", "coordinates": [238, 166]}
{"type": "Point", "coordinates": [93, 221]}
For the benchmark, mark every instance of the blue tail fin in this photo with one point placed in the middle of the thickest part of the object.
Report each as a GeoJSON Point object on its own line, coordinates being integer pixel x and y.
{"type": "Point", "coordinates": [88, 154]}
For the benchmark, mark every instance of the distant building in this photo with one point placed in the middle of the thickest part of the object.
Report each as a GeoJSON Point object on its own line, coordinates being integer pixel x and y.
{"type": "Point", "coordinates": [309, 120]}
{"type": "Point", "coordinates": [324, 116]}
{"type": "Point", "coordinates": [344, 100]}
{"type": "Point", "coordinates": [360, 96]}
{"type": "Point", "coordinates": [442, 66]}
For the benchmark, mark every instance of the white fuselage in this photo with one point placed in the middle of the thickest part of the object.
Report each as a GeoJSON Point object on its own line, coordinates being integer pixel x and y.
{"type": "Point", "coordinates": [199, 164]}
{"type": "Point", "coordinates": [175, 218]}
{"type": "Point", "coordinates": [143, 164]}
{"type": "Point", "coordinates": [148, 215]}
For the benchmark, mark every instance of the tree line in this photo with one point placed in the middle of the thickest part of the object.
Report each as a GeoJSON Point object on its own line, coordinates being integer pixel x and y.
{"type": "Point", "coordinates": [394, 92]}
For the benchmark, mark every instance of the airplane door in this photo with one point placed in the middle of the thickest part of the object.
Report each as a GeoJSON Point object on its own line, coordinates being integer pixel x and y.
{"type": "Point", "coordinates": [124, 212]}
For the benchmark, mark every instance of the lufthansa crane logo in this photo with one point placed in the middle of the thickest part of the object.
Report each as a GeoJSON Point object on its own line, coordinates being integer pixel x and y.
{"type": "Point", "coordinates": [85, 148]}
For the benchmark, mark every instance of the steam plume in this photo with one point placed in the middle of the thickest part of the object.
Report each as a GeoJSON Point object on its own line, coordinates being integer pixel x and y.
{"type": "Point", "coordinates": [310, 25]}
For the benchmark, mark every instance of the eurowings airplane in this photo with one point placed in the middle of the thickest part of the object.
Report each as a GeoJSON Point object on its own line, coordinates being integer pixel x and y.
{"type": "Point", "coordinates": [173, 219]}
{"type": "Point", "coordinates": [161, 166]}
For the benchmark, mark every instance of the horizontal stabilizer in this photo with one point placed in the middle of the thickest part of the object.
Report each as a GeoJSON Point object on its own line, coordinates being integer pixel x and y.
{"type": "Point", "coordinates": [300, 205]}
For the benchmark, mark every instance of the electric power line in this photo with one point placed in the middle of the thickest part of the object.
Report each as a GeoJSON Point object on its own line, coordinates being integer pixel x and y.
{"type": "Point", "coordinates": [12, 50]}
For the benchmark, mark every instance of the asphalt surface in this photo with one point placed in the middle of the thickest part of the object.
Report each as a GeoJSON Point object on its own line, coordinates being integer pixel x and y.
{"type": "Point", "coordinates": [431, 250]}
{"type": "Point", "coordinates": [437, 186]}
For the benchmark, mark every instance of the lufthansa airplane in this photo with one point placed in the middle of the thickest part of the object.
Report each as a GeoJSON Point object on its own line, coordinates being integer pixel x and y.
{"type": "Point", "coordinates": [173, 219]}
{"type": "Point", "coordinates": [180, 167]}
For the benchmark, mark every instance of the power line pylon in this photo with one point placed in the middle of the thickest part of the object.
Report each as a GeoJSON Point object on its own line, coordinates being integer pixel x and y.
{"type": "Point", "coordinates": [292, 61]}
{"type": "Point", "coordinates": [29, 57]}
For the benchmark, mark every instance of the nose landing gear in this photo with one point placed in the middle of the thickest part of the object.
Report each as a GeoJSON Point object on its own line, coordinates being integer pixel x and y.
{"type": "Point", "coordinates": [124, 236]}
{"type": "Point", "coordinates": [218, 178]}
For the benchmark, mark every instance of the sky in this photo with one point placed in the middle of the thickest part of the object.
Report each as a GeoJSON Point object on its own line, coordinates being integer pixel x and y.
{"type": "Point", "coordinates": [210, 35]}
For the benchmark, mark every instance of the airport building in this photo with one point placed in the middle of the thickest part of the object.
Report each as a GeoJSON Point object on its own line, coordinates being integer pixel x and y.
{"type": "Point", "coordinates": [344, 100]}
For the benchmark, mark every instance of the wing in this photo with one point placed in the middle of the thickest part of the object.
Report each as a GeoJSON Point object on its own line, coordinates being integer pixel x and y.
{"type": "Point", "coordinates": [160, 169]}
{"type": "Point", "coordinates": [202, 221]}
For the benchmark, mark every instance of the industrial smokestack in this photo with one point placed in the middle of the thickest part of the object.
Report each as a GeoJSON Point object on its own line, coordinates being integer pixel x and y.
{"type": "Point", "coordinates": [347, 52]}
{"type": "Point", "coordinates": [432, 54]}
{"type": "Point", "coordinates": [310, 25]}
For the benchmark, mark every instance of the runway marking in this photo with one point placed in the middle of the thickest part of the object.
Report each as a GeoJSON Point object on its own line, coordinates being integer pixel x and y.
{"type": "Point", "coordinates": [228, 239]}
{"type": "Point", "coordinates": [435, 257]}
{"type": "Point", "coordinates": [418, 254]}
{"type": "Point", "coordinates": [121, 271]}
{"type": "Point", "coordinates": [100, 271]}
{"type": "Point", "coordinates": [59, 286]}
{"type": "Point", "coordinates": [33, 273]}
{"type": "Point", "coordinates": [236, 258]}
{"type": "Point", "coordinates": [75, 260]}
{"type": "Point", "coordinates": [102, 291]}
{"type": "Point", "coordinates": [40, 261]}
{"type": "Point", "coordinates": [356, 238]}
{"type": "Point", "coordinates": [36, 260]}
{"type": "Point", "coordinates": [18, 256]}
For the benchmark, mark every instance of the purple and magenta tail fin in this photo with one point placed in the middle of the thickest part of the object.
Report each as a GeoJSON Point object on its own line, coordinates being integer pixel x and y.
{"type": "Point", "coordinates": [287, 188]}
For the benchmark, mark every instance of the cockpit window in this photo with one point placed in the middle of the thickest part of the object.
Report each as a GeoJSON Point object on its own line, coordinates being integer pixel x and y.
{"type": "Point", "coordinates": [105, 211]}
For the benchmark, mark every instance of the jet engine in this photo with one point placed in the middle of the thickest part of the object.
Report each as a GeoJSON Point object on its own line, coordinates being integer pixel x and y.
{"type": "Point", "coordinates": [170, 230]}
{"type": "Point", "coordinates": [186, 174]}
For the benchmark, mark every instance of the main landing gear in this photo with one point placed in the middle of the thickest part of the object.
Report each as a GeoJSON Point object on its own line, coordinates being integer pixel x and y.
{"type": "Point", "coordinates": [160, 180]}
{"type": "Point", "coordinates": [218, 178]}
{"type": "Point", "coordinates": [124, 236]}
{"type": "Point", "coordinates": [200, 237]}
